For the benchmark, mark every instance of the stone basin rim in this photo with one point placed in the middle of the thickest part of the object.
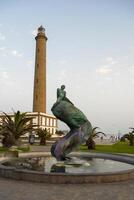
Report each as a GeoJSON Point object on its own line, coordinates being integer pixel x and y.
{"type": "Point", "coordinates": [115, 157]}
{"type": "Point", "coordinates": [72, 178]}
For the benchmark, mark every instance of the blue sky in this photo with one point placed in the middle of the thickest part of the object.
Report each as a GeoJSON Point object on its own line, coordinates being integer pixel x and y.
{"type": "Point", "coordinates": [90, 49]}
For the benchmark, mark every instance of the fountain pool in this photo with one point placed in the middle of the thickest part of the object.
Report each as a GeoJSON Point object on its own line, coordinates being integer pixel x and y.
{"type": "Point", "coordinates": [78, 168]}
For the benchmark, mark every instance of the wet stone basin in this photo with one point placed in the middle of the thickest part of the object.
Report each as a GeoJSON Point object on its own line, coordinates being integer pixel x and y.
{"type": "Point", "coordinates": [78, 168]}
{"type": "Point", "coordinates": [72, 165]}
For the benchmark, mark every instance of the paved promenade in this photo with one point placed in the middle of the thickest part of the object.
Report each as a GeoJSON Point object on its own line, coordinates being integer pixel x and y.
{"type": "Point", "coordinates": [20, 190]}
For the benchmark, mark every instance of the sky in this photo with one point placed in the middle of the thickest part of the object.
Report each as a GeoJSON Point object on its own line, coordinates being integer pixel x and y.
{"type": "Point", "coordinates": [90, 49]}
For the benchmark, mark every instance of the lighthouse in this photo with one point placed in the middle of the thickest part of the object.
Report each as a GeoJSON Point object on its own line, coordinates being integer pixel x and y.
{"type": "Point", "coordinates": [39, 93]}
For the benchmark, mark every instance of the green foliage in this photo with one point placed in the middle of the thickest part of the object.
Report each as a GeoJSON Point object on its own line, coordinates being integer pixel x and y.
{"type": "Point", "coordinates": [59, 132]}
{"type": "Point", "coordinates": [129, 137]}
{"type": "Point", "coordinates": [14, 127]}
{"type": "Point", "coordinates": [122, 139]}
{"type": "Point", "coordinates": [43, 134]}
{"type": "Point", "coordinates": [3, 149]}
{"type": "Point", "coordinates": [22, 149]}
{"type": "Point", "coordinates": [94, 134]}
{"type": "Point", "coordinates": [119, 147]}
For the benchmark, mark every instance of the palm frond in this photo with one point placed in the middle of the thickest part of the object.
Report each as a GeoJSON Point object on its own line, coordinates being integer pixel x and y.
{"type": "Point", "coordinates": [94, 128]}
{"type": "Point", "coordinates": [17, 125]}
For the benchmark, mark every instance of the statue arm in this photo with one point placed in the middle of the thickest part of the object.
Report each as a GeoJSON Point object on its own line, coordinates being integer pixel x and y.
{"type": "Point", "coordinates": [57, 93]}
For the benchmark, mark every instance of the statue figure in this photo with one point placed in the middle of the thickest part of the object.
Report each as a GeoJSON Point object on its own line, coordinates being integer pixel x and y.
{"type": "Point", "coordinates": [80, 127]}
{"type": "Point", "coordinates": [61, 95]}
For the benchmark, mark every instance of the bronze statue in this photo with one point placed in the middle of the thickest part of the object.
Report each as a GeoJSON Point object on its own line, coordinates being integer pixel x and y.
{"type": "Point", "coordinates": [80, 127]}
{"type": "Point", "coordinates": [61, 94]}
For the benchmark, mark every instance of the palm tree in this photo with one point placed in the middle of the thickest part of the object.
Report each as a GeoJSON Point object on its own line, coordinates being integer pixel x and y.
{"type": "Point", "coordinates": [60, 132]}
{"type": "Point", "coordinates": [43, 135]}
{"type": "Point", "coordinates": [13, 128]}
{"type": "Point", "coordinates": [130, 137]}
{"type": "Point", "coordinates": [94, 134]}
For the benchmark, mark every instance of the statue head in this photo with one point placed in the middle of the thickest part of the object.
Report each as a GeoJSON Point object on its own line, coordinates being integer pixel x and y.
{"type": "Point", "coordinates": [62, 87]}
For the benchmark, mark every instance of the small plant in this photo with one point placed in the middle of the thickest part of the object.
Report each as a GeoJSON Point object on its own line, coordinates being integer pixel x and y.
{"type": "Point", "coordinates": [129, 137]}
{"type": "Point", "coordinates": [94, 134]}
{"type": "Point", "coordinates": [122, 139]}
{"type": "Point", "coordinates": [60, 132]}
{"type": "Point", "coordinates": [12, 128]}
{"type": "Point", "coordinates": [43, 134]}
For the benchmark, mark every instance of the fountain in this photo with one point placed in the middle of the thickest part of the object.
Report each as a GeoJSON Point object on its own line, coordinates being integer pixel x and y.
{"type": "Point", "coordinates": [62, 166]}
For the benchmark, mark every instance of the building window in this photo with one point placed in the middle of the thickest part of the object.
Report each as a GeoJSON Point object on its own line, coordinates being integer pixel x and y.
{"type": "Point", "coordinates": [43, 121]}
{"type": "Point", "coordinates": [38, 65]}
{"type": "Point", "coordinates": [38, 50]}
{"type": "Point", "coordinates": [51, 122]}
{"type": "Point", "coordinates": [54, 123]}
{"type": "Point", "coordinates": [36, 80]}
{"type": "Point", "coordinates": [35, 120]}
{"type": "Point", "coordinates": [47, 121]}
{"type": "Point", "coordinates": [36, 96]}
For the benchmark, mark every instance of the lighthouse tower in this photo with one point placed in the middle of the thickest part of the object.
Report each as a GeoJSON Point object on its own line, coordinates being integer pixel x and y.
{"type": "Point", "coordinates": [39, 94]}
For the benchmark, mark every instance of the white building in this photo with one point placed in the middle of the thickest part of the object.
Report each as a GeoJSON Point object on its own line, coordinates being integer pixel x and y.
{"type": "Point", "coordinates": [40, 120]}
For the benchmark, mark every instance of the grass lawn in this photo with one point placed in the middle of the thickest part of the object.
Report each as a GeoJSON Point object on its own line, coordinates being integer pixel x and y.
{"type": "Point", "coordinates": [119, 147]}
{"type": "Point", "coordinates": [23, 149]}
{"type": "Point", "coordinates": [2, 149]}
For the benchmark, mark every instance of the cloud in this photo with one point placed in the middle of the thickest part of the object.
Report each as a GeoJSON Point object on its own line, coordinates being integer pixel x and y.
{"type": "Point", "coordinates": [2, 48]}
{"type": "Point", "coordinates": [104, 70]}
{"type": "Point", "coordinates": [108, 67]}
{"type": "Point", "coordinates": [62, 62]}
{"type": "Point", "coordinates": [4, 75]}
{"type": "Point", "coordinates": [29, 63]}
{"type": "Point", "coordinates": [62, 75]}
{"type": "Point", "coordinates": [131, 47]}
{"type": "Point", "coordinates": [131, 69]}
{"type": "Point", "coordinates": [5, 78]}
{"type": "Point", "coordinates": [2, 37]}
{"type": "Point", "coordinates": [3, 51]}
{"type": "Point", "coordinates": [110, 60]}
{"type": "Point", "coordinates": [16, 53]}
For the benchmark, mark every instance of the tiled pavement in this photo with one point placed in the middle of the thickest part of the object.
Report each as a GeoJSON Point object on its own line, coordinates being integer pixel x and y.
{"type": "Point", "coordinates": [20, 190]}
